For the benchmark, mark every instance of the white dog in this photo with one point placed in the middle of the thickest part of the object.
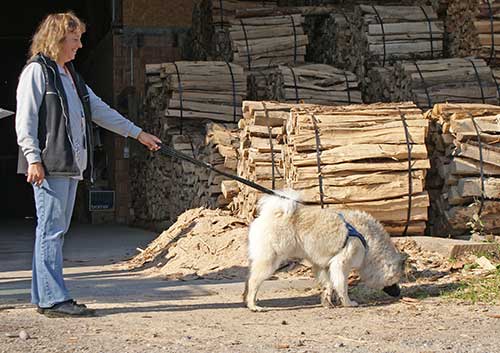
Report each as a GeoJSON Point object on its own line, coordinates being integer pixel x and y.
{"type": "Point", "coordinates": [334, 242]}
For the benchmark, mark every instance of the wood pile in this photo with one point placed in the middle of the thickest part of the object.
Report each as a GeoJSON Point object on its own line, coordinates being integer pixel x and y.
{"type": "Point", "coordinates": [211, 20]}
{"type": "Point", "coordinates": [364, 154]}
{"type": "Point", "coordinates": [260, 152]}
{"type": "Point", "coordinates": [337, 41]}
{"type": "Point", "coordinates": [314, 84]}
{"type": "Point", "coordinates": [461, 35]}
{"type": "Point", "coordinates": [428, 82]}
{"type": "Point", "coordinates": [220, 149]}
{"type": "Point", "coordinates": [203, 90]}
{"type": "Point", "coordinates": [163, 187]}
{"type": "Point", "coordinates": [385, 34]}
{"type": "Point", "coordinates": [487, 27]}
{"type": "Point", "coordinates": [465, 147]}
{"type": "Point", "coordinates": [261, 42]}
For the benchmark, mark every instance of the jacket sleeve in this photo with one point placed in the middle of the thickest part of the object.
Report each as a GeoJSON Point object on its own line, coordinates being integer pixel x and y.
{"type": "Point", "coordinates": [105, 116]}
{"type": "Point", "coordinates": [29, 96]}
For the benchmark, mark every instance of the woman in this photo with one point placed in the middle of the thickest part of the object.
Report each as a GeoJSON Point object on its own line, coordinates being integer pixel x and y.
{"type": "Point", "coordinates": [55, 110]}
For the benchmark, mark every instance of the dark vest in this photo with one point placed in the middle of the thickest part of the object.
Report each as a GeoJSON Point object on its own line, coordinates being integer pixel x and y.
{"type": "Point", "coordinates": [54, 134]}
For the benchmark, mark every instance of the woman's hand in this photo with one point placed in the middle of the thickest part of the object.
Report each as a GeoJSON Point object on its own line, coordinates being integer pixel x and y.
{"type": "Point", "coordinates": [36, 174]}
{"type": "Point", "coordinates": [150, 141]}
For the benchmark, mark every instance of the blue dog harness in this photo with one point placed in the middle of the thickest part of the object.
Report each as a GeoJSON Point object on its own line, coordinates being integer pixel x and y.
{"type": "Point", "coordinates": [353, 232]}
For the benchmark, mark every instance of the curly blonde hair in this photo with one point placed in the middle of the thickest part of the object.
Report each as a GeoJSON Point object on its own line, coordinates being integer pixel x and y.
{"type": "Point", "coordinates": [51, 32]}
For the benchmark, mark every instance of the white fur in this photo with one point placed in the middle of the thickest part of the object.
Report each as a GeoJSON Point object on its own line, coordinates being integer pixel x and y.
{"type": "Point", "coordinates": [285, 229]}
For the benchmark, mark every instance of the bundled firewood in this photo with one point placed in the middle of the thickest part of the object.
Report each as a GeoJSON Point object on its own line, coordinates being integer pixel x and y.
{"type": "Point", "coordinates": [261, 42]}
{"type": "Point", "coordinates": [384, 34]}
{"type": "Point", "coordinates": [211, 20]}
{"type": "Point", "coordinates": [203, 90]}
{"type": "Point", "coordinates": [260, 152]}
{"type": "Point", "coordinates": [220, 150]}
{"type": "Point", "coordinates": [487, 27]}
{"type": "Point", "coordinates": [367, 157]}
{"type": "Point", "coordinates": [428, 82]}
{"type": "Point", "coordinates": [314, 84]}
{"type": "Point", "coordinates": [465, 144]}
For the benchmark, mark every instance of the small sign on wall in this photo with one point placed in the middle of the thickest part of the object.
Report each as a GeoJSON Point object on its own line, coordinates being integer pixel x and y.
{"type": "Point", "coordinates": [101, 200]}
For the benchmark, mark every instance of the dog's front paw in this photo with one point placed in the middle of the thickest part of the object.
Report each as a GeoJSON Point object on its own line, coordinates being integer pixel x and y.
{"type": "Point", "coordinates": [257, 309]}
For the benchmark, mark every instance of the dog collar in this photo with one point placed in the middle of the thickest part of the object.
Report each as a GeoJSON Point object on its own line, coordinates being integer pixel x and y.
{"type": "Point", "coordinates": [353, 232]}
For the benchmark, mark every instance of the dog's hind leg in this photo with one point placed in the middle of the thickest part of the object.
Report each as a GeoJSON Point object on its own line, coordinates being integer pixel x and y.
{"type": "Point", "coordinates": [323, 278]}
{"type": "Point", "coordinates": [260, 270]}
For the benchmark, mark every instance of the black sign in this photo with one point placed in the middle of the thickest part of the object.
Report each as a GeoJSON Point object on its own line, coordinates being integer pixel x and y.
{"type": "Point", "coordinates": [101, 200]}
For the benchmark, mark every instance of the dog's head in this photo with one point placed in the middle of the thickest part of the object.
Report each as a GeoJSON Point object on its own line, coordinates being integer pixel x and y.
{"type": "Point", "coordinates": [385, 271]}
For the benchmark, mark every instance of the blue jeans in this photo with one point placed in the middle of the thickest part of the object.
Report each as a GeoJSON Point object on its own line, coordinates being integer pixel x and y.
{"type": "Point", "coordinates": [54, 201]}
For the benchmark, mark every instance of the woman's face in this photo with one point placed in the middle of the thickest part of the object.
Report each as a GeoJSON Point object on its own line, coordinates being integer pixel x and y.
{"type": "Point", "coordinates": [71, 43]}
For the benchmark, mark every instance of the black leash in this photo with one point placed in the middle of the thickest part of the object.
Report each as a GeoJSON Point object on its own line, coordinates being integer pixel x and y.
{"type": "Point", "coordinates": [169, 151]}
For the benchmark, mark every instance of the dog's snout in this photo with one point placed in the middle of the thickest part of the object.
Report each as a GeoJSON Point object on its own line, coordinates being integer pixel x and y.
{"type": "Point", "coordinates": [393, 291]}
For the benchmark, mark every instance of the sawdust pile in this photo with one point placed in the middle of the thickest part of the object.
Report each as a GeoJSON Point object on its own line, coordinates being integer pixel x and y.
{"type": "Point", "coordinates": [202, 243]}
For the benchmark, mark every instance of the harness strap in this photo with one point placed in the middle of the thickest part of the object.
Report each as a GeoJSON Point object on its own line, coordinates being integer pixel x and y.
{"type": "Point", "coordinates": [352, 232]}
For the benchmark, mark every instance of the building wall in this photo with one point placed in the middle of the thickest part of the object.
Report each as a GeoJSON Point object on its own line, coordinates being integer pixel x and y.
{"type": "Point", "coordinates": [157, 13]}
{"type": "Point", "coordinates": [151, 31]}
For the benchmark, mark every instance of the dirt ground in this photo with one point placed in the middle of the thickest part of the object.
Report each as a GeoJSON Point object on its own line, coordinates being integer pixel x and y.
{"type": "Point", "coordinates": [182, 293]}
{"type": "Point", "coordinates": [208, 316]}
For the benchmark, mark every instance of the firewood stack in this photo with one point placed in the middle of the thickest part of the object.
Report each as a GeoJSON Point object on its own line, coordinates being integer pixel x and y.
{"type": "Point", "coordinates": [384, 34]}
{"type": "Point", "coordinates": [428, 82]}
{"type": "Point", "coordinates": [164, 187]}
{"type": "Point", "coordinates": [466, 157]}
{"type": "Point", "coordinates": [314, 84]}
{"type": "Point", "coordinates": [461, 35]}
{"type": "Point", "coordinates": [203, 90]}
{"type": "Point", "coordinates": [261, 42]}
{"type": "Point", "coordinates": [211, 20]}
{"type": "Point", "coordinates": [260, 153]}
{"type": "Point", "coordinates": [220, 149]}
{"type": "Point", "coordinates": [487, 27]}
{"type": "Point", "coordinates": [338, 40]}
{"type": "Point", "coordinates": [363, 155]}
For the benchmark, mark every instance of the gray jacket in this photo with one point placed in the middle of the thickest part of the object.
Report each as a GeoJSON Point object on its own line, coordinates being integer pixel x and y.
{"type": "Point", "coordinates": [53, 116]}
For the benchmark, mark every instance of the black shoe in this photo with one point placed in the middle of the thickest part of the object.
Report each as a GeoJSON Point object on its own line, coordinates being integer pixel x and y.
{"type": "Point", "coordinates": [42, 310]}
{"type": "Point", "coordinates": [68, 308]}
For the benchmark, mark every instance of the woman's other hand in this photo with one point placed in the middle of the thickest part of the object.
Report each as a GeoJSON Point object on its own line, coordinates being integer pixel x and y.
{"type": "Point", "coordinates": [36, 174]}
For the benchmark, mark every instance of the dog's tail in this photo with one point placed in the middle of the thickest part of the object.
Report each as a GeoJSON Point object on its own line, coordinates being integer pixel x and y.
{"type": "Point", "coordinates": [283, 205]}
